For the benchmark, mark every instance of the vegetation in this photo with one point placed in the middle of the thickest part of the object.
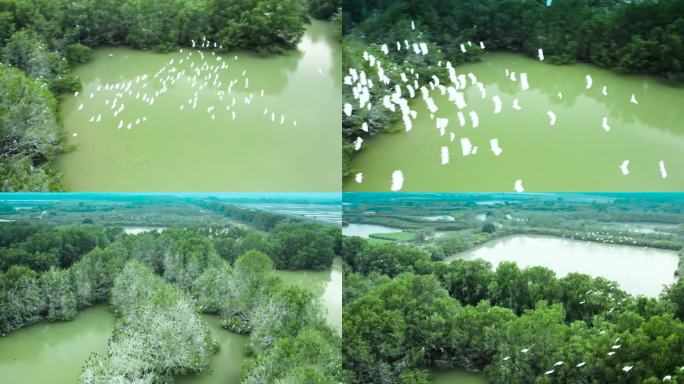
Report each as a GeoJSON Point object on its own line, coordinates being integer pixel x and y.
{"type": "Point", "coordinates": [159, 282]}
{"type": "Point", "coordinates": [627, 36]}
{"type": "Point", "coordinates": [40, 40]}
{"type": "Point", "coordinates": [405, 315]}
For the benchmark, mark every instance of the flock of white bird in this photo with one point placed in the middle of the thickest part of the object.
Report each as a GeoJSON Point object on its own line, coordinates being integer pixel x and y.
{"type": "Point", "coordinates": [197, 69]}
{"type": "Point", "coordinates": [398, 96]}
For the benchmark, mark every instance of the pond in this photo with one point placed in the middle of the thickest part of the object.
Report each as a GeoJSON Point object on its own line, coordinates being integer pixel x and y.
{"type": "Point", "coordinates": [457, 376]}
{"type": "Point", "coordinates": [324, 284]}
{"type": "Point", "coordinates": [138, 230]}
{"type": "Point", "coordinates": [246, 124]}
{"type": "Point", "coordinates": [638, 270]}
{"type": "Point", "coordinates": [225, 365]}
{"type": "Point", "coordinates": [575, 154]}
{"type": "Point", "coordinates": [55, 352]}
{"type": "Point", "coordinates": [439, 218]}
{"type": "Point", "coordinates": [365, 230]}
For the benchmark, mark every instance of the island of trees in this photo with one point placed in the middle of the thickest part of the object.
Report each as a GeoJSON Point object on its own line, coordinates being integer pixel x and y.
{"type": "Point", "coordinates": [158, 284]}
{"type": "Point", "coordinates": [627, 36]}
{"type": "Point", "coordinates": [41, 40]}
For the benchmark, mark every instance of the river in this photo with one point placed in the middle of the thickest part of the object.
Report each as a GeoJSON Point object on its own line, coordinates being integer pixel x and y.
{"type": "Point", "coordinates": [204, 148]}
{"type": "Point", "coordinates": [576, 154]}
{"type": "Point", "coordinates": [638, 270]}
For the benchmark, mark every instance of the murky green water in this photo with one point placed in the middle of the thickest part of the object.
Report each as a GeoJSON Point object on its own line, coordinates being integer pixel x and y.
{"type": "Point", "coordinates": [457, 376]}
{"type": "Point", "coordinates": [638, 270]}
{"type": "Point", "coordinates": [226, 364]}
{"type": "Point", "coordinates": [576, 154]}
{"type": "Point", "coordinates": [54, 352]}
{"type": "Point", "coordinates": [365, 230]}
{"type": "Point", "coordinates": [325, 284]}
{"type": "Point", "coordinates": [205, 148]}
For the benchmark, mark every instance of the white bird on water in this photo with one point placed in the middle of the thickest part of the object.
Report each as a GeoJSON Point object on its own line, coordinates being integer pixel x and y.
{"type": "Point", "coordinates": [623, 167]}
{"type": "Point", "coordinates": [663, 171]}
{"type": "Point", "coordinates": [359, 178]}
{"type": "Point", "coordinates": [74, 135]}
{"type": "Point", "coordinates": [497, 104]}
{"type": "Point", "coordinates": [445, 155]}
{"type": "Point", "coordinates": [519, 188]}
{"type": "Point", "coordinates": [466, 146]}
{"type": "Point", "coordinates": [516, 105]}
{"type": "Point", "coordinates": [474, 119]}
{"type": "Point", "coordinates": [80, 107]}
{"type": "Point", "coordinates": [604, 91]}
{"type": "Point", "coordinates": [589, 81]}
{"type": "Point", "coordinates": [494, 144]}
{"type": "Point", "coordinates": [605, 125]}
{"type": "Point", "coordinates": [540, 54]}
{"type": "Point", "coordinates": [633, 100]}
{"type": "Point", "coordinates": [523, 82]}
{"type": "Point", "coordinates": [397, 181]}
{"type": "Point", "coordinates": [552, 118]}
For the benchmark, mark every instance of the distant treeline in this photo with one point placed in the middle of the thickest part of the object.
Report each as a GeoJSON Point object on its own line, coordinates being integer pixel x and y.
{"type": "Point", "coordinates": [159, 282]}
{"type": "Point", "coordinates": [405, 315]}
{"type": "Point", "coordinates": [45, 38]}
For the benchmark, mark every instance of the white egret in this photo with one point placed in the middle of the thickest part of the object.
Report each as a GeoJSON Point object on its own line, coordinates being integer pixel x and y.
{"type": "Point", "coordinates": [475, 120]}
{"type": "Point", "coordinates": [358, 143]}
{"type": "Point", "coordinates": [74, 135]}
{"type": "Point", "coordinates": [633, 100]}
{"type": "Point", "coordinates": [445, 155]}
{"type": "Point", "coordinates": [506, 358]}
{"type": "Point", "coordinates": [80, 107]}
{"type": "Point", "coordinates": [667, 378]}
{"type": "Point", "coordinates": [552, 118]}
{"type": "Point", "coordinates": [364, 127]}
{"type": "Point", "coordinates": [359, 178]}
{"type": "Point", "coordinates": [589, 81]}
{"type": "Point", "coordinates": [605, 125]}
{"type": "Point", "coordinates": [516, 105]}
{"type": "Point", "coordinates": [627, 368]}
{"type": "Point", "coordinates": [580, 365]}
{"type": "Point", "coordinates": [549, 372]}
{"type": "Point", "coordinates": [611, 353]}
{"type": "Point", "coordinates": [348, 109]}
{"type": "Point", "coordinates": [519, 188]}
{"type": "Point", "coordinates": [623, 167]}
{"type": "Point", "coordinates": [540, 54]}
{"type": "Point", "coordinates": [466, 146]}
{"type": "Point", "coordinates": [397, 181]}
{"type": "Point", "coordinates": [523, 82]}
{"type": "Point", "coordinates": [494, 144]}
{"type": "Point", "coordinates": [497, 104]}
{"type": "Point", "coordinates": [604, 91]}
{"type": "Point", "coordinates": [663, 171]}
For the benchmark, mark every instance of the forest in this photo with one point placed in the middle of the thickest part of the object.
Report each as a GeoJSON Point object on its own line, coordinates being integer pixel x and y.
{"type": "Point", "coordinates": [158, 284]}
{"type": "Point", "coordinates": [406, 315]}
{"type": "Point", "coordinates": [41, 40]}
{"type": "Point", "coordinates": [645, 37]}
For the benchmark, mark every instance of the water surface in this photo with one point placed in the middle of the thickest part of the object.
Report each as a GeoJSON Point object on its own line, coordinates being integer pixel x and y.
{"type": "Point", "coordinates": [365, 230]}
{"type": "Point", "coordinates": [327, 285]}
{"type": "Point", "coordinates": [576, 154]}
{"type": "Point", "coordinates": [638, 270]}
{"type": "Point", "coordinates": [202, 147]}
{"type": "Point", "coordinates": [55, 352]}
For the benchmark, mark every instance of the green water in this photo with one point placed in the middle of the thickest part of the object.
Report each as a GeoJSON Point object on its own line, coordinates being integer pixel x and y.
{"type": "Point", "coordinates": [54, 352]}
{"type": "Point", "coordinates": [170, 149]}
{"type": "Point", "coordinates": [576, 154]}
{"type": "Point", "coordinates": [457, 376]}
{"type": "Point", "coordinates": [226, 364]}
{"type": "Point", "coordinates": [324, 284]}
